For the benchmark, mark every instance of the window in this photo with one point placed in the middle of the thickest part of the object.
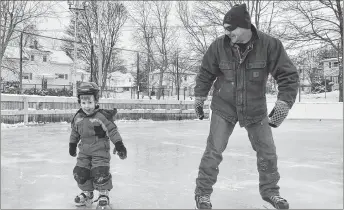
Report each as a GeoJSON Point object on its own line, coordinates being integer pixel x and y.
{"type": "Point", "coordinates": [335, 64]}
{"type": "Point", "coordinates": [329, 64]}
{"type": "Point", "coordinates": [44, 58]}
{"type": "Point", "coordinates": [61, 76]}
{"type": "Point", "coordinates": [32, 57]}
{"type": "Point", "coordinates": [27, 76]}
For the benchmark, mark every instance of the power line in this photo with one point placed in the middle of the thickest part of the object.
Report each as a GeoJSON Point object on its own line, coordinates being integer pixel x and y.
{"type": "Point", "coordinates": [72, 41]}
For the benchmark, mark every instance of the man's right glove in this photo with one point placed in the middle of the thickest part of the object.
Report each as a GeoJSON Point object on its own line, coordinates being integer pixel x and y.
{"type": "Point", "coordinates": [72, 149]}
{"type": "Point", "coordinates": [278, 114]}
{"type": "Point", "coordinates": [120, 149]}
{"type": "Point", "coordinates": [199, 102]}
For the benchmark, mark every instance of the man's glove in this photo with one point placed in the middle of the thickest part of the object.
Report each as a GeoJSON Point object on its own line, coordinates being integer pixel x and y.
{"type": "Point", "coordinates": [72, 149]}
{"type": "Point", "coordinates": [120, 149]}
{"type": "Point", "coordinates": [278, 114]}
{"type": "Point", "coordinates": [199, 102]}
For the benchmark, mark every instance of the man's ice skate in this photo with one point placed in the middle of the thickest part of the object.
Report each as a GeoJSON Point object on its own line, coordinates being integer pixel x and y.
{"type": "Point", "coordinates": [103, 200]}
{"type": "Point", "coordinates": [203, 202]}
{"type": "Point", "coordinates": [84, 199]}
{"type": "Point", "coordinates": [277, 202]}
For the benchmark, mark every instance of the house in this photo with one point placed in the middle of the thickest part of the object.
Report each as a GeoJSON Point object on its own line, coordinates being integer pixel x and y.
{"type": "Point", "coordinates": [329, 69]}
{"type": "Point", "coordinates": [186, 79]}
{"type": "Point", "coordinates": [120, 82]}
{"type": "Point", "coordinates": [41, 67]}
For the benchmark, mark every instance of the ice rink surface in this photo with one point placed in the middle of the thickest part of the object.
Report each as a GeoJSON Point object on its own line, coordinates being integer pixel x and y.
{"type": "Point", "coordinates": [162, 164]}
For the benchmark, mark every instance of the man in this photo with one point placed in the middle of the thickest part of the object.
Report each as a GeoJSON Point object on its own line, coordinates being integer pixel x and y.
{"type": "Point", "coordinates": [240, 61]}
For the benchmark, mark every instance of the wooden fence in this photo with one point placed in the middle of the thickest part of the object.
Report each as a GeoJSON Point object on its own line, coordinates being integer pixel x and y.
{"type": "Point", "coordinates": [25, 108]}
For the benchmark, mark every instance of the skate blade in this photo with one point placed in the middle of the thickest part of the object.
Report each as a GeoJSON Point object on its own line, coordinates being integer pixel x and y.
{"type": "Point", "coordinates": [103, 207]}
{"type": "Point", "coordinates": [267, 207]}
{"type": "Point", "coordinates": [87, 204]}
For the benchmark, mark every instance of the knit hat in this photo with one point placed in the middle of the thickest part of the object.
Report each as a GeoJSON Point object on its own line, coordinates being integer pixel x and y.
{"type": "Point", "coordinates": [237, 16]}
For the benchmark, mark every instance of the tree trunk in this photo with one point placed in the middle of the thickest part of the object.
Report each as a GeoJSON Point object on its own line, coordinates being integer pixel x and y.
{"type": "Point", "coordinates": [161, 76]}
{"type": "Point", "coordinates": [340, 84]}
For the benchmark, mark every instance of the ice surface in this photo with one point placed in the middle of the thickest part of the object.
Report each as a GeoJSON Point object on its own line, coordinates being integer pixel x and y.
{"type": "Point", "coordinates": [162, 164]}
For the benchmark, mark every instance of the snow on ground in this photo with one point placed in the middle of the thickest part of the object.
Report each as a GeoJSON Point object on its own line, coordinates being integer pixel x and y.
{"type": "Point", "coordinates": [162, 164]}
{"type": "Point", "coordinates": [305, 97]}
{"type": "Point", "coordinates": [319, 97]}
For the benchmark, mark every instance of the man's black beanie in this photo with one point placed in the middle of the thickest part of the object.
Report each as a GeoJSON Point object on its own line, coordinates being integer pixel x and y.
{"type": "Point", "coordinates": [238, 16]}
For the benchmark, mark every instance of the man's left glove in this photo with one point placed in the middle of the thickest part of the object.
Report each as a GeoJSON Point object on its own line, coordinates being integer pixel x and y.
{"type": "Point", "coordinates": [120, 149]}
{"type": "Point", "coordinates": [278, 114]}
{"type": "Point", "coordinates": [198, 106]}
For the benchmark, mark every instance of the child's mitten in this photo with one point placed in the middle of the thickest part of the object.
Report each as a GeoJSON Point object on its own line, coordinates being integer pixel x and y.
{"type": "Point", "coordinates": [120, 149]}
{"type": "Point", "coordinates": [278, 114]}
{"type": "Point", "coordinates": [72, 149]}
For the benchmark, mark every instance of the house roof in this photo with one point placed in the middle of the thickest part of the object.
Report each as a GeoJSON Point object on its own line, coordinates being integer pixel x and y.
{"type": "Point", "coordinates": [56, 56]}
{"type": "Point", "coordinates": [182, 72]}
{"type": "Point", "coordinates": [330, 59]}
{"type": "Point", "coordinates": [13, 53]}
{"type": "Point", "coordinates": [59, 56]}
{"type": "Point", "coordinates": [120, 74]}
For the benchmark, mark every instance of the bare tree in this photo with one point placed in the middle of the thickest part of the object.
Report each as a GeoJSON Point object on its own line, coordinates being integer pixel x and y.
{"type": "Point", "coordinates": [16, 15]}
{"type": "Point", "coordinates": [141, 15]}
{"type": "Point", "coordinates": [198, 39]}
{"type": "Point", "coordinates": [204, 22]}
{"type": "Point", "coordinates": [313, 22]}
{"type": "Point", "coordinates": [163, 37]}
{"type": "Point", "coordinates": [113, 16]}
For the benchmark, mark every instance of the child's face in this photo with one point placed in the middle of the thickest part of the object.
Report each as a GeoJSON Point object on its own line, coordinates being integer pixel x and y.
{"type": "Point", "coordinates": [87, 103]}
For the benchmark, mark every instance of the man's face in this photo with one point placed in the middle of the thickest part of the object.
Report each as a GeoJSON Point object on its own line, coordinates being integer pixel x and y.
{"type": "Point", "coordinates": [235, 35]}
{"type": "Point", "coordinates": [87, 103]}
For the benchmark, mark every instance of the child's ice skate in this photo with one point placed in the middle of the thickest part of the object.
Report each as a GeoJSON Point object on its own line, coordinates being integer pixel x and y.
{"type": "Point", "coordinates": [103, 200]}
{"type": "Point", "coordinates": [84, 199]}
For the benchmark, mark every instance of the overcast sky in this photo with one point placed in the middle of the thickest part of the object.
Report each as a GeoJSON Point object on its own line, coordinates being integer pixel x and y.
{"type": "Point", "coordinates": [52, 26]}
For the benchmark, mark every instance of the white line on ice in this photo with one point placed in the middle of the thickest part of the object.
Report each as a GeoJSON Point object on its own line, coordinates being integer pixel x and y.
{"type": "Point", "coordinates": [305, 166]}
{"type": "Point", "coordinates": [52, 176]}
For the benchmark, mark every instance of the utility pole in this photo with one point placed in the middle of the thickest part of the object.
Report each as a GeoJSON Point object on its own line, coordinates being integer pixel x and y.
{"type": "Point", "coordinates": [91, 77]}
{"type": "Point", "coordinates": [137, 75]}
{"type": "Point", "coordinates": [300, 85]}
{"type": "Point", "coordinates": [177, 76]}
{"type": "Point", "coordinates": [21, 63]}
{"type": "Point", "coordinates": [73, 77]}
{"type": "Point", "coordinates": [100, 57]}
{"type": "Point", "coordinates": [341, 73]}
{"type": "Point", "coordinates": [76, 9]}
{"type": "Point", "coordinates": [149, 63]}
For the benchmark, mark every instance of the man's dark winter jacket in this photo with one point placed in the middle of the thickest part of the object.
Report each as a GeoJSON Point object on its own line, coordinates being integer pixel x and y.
{"type": "Point", "coordinates": [240, 86]}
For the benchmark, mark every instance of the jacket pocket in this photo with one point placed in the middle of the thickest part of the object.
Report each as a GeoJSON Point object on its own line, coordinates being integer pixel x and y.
{"type": "Point", "coordinates": [256, 75]}
{"type": "Point", "coordinates": [227, 69]}
{"type": "Point", "coordinates": [256, 71]}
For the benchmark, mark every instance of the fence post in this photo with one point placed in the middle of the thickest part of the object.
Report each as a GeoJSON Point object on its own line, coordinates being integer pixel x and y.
{"type": "Point", "coordinates": [26, 110]}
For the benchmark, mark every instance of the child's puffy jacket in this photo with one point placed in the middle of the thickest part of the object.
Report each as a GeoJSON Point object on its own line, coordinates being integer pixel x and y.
{"type": "Point", "coordinates": [95, 127]}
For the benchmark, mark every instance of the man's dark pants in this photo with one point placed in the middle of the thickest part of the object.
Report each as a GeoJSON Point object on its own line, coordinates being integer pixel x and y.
{"type": "Point", "coordinates": [262, 142]}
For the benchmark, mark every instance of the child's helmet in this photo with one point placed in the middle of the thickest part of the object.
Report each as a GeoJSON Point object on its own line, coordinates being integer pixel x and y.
{"type": "Point", "coordinates": [88, 88]}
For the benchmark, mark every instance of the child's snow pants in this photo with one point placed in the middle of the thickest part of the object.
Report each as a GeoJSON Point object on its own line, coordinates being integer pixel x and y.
{"type": "Point", "coordinates": [92, 170]}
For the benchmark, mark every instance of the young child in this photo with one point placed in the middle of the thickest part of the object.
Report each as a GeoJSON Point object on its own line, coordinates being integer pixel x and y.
{"type": "Point", "coordinates": [92, 128]}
